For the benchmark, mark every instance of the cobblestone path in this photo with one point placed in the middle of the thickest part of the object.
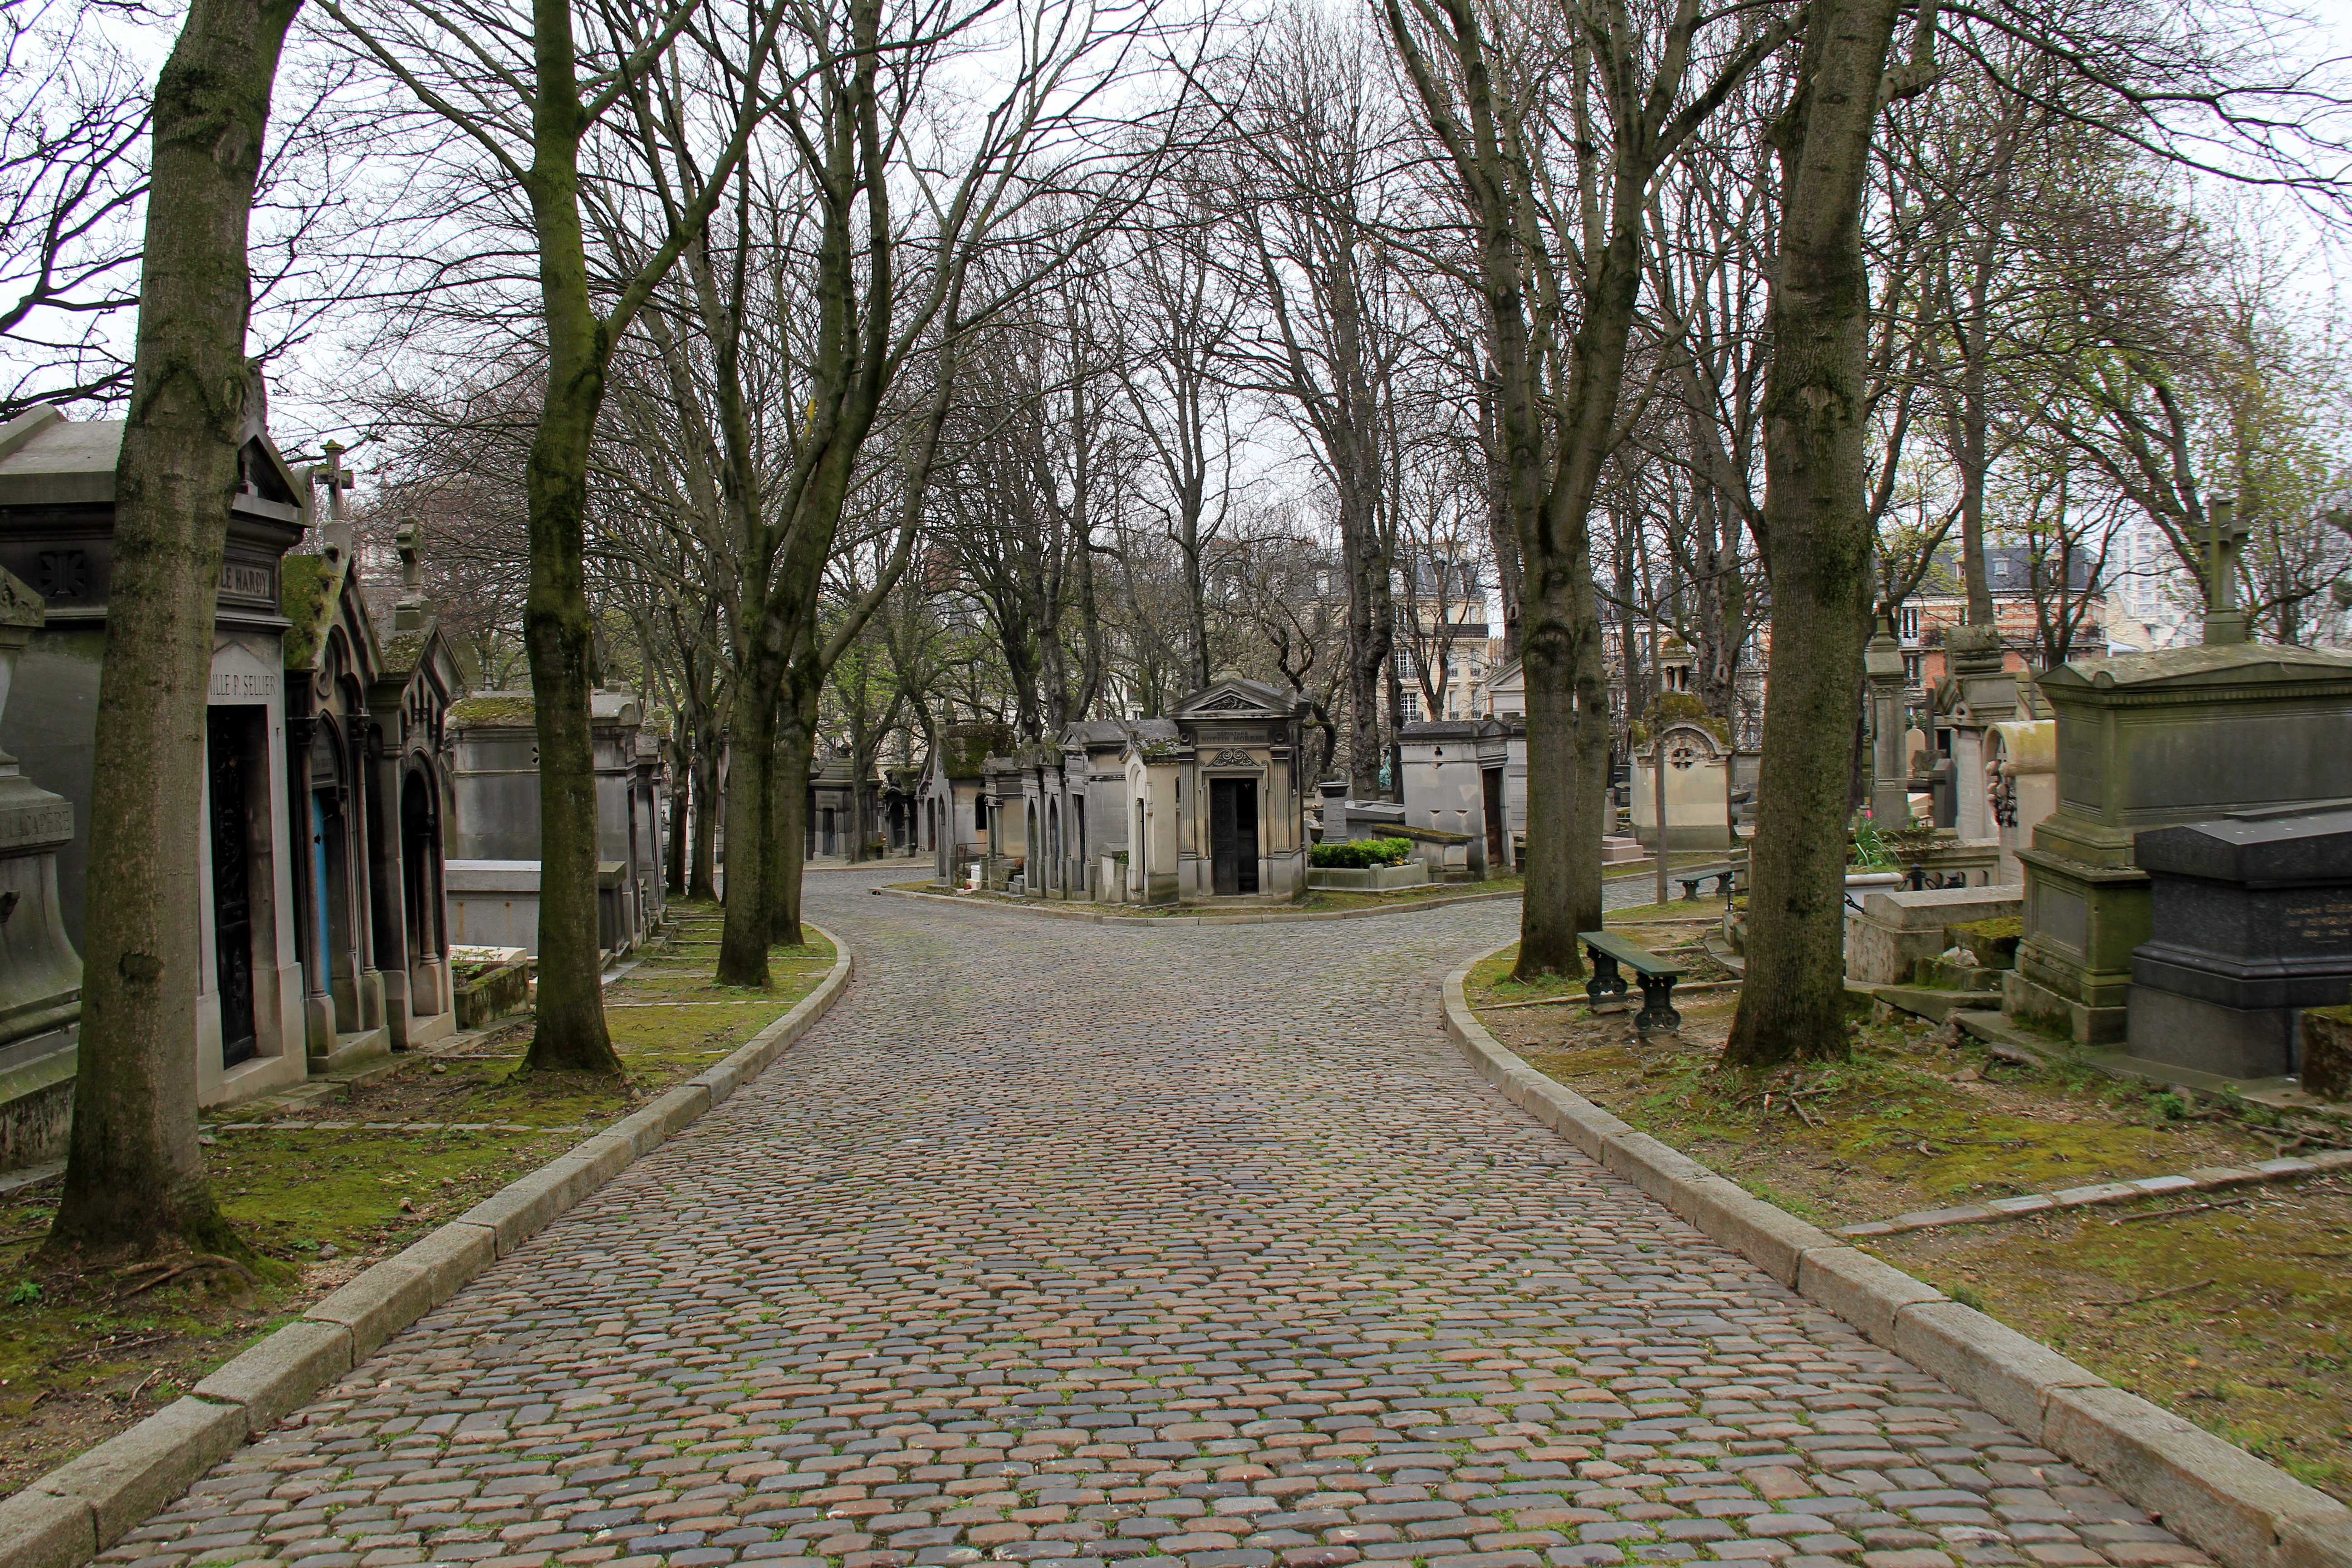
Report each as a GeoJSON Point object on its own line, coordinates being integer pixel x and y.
{"type": "Point", "coordinates": [1075, 1245]}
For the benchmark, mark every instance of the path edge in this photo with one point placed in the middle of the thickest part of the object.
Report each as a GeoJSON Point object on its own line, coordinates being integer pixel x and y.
{"type": "Point", "coordinates": [1048, 910]}
{"type": "Point", "coordinates": [2246, 1511]}
{"type": "Point", "coordinates": [67, 1517]}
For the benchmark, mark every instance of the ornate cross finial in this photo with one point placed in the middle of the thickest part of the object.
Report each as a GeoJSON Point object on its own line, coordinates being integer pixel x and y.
{"type": "Point", "coordinates": [2224, 536]}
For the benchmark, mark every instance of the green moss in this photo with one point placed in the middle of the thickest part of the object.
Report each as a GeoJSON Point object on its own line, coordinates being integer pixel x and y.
{"type": "Point", "coordinates": [307, 588]}
{"type": "Point", "coordinates": [405, 651]}
{"type": "Point", "coordinates": [510, 708]}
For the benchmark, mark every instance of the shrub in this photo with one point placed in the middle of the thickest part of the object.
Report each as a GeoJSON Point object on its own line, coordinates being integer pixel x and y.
{"type": "Point", "coordinates": [1360, 853]}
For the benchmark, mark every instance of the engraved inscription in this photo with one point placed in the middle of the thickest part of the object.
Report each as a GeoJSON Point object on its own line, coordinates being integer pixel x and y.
{"type": "Point", "coordinates": [2318, 920]}
{"type": "Point", "coordinates": [247, 580]}
{"type": "Point", "coordinates": [243, 685]}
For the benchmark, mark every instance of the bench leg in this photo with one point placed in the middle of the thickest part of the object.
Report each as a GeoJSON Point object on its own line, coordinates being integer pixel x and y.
{"type": "Point", "coordinates": [1605, 981]}
{"type": "Point", "coordinates": [1690, 888]}
{"type": "Point", "coordinates": [1657, 1005]}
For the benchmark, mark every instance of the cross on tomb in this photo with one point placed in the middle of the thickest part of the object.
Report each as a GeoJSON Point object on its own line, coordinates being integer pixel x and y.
{"type": "Point", "coordinates": [336, 477]}
{"type": "Point", "coordinates": [2224, 535]}
{"type": "Point", "coordinates": [409, 539]}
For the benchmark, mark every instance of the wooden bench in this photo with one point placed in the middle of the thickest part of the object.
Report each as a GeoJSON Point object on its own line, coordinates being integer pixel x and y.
{"type": "Point", "coordinates": [1724, 874]}
{"type": "Point", "coordinates": [1656, 976]}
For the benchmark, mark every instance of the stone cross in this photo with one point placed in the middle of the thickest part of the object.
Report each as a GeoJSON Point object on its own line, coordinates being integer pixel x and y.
{"type": "Point", "coordinates": [336, 477]}
{"type": "Point", "coordinates": [409, 539]}
{"type": "Point", "coordinates": [2225, 622]}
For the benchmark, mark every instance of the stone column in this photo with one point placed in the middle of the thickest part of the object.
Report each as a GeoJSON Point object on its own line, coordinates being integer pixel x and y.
{"type": "Point", "coordinates": [1890, 771]}
{"type": "Point", "coordinates": [1984, 694]}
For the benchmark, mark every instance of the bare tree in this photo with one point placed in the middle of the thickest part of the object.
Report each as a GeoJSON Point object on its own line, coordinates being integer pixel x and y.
{"type": "Point", "coordinates": [134, 1179]}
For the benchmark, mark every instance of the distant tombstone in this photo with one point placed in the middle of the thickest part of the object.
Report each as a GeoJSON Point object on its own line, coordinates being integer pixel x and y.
{"type": "Point", "coordinates": [2252, 923]}
{"type": "Point", "coordinates": [2019, 786]}
{"type": "Point", "coordinates": [1698, 770]}
{"type": "Point", "coordinates": [1453, 781]}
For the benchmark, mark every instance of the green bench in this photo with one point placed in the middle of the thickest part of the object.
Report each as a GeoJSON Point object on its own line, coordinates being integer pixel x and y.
{"type": "Point", "coordinates": [1656, 976]}
{"type": "Point", "coordinates": [1724, 874]}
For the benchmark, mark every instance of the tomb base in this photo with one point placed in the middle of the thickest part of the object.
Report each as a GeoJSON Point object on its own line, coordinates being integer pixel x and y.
{"type": "Point", "coordinates": [435, 1027]}
{"type": "Point", "coordinates": [36, 1083]}
{"type": "Point", "coordinates": [2234, 1043]}
{"type": "Point", "coordinates": [2053, 1012]}
{"type": "Point", "coordinates": [351, 1052]}
{"type": "Point", "coordinates": [2082, 923]}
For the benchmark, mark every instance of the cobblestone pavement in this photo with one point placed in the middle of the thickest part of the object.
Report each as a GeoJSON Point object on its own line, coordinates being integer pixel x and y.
{"type": "Point", "coordinates": [1074, 1244]}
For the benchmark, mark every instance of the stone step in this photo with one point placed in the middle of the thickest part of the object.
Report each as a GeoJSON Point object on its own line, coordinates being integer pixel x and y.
{"type": "Point", "coordinates": [1935, 1006]}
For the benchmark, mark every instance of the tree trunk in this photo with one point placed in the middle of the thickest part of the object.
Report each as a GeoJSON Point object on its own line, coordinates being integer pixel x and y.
{"type": "Point", "coordinates": [743, 934]}
{"type": "Point", "coordinates": [702, 880]}
{"type": "Point", "coordinates": [558, 633]}
{"type": "Point", "coordinates": [134, 1179]}
{"type": "Point", "coordinates": [1820, 542]}
{"type": "Point", "coordinates": [795, 749]}
{"type": "Point", "coordinates": [681, 806]}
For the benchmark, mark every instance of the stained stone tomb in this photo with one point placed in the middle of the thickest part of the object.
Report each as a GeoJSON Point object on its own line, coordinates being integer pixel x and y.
{"type": "Point", "coordinates": [2250, 922]}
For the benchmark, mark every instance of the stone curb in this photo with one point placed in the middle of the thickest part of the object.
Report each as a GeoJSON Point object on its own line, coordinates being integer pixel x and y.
{"type": "Point", "coordinates": [1048, 911]}
{"type": "Point", "coordinates": [2247, 1514]}
{"type": "Point", "coordinates": [78, 1510]}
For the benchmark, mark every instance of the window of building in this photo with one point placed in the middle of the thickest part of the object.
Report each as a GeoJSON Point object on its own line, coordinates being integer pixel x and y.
{"type": "Point", "coordinates": [1412, 707]}
{"type": "Point", "coordinates": [1909, 616]}
{"type": "Point", "coordinates": [1911, 670]}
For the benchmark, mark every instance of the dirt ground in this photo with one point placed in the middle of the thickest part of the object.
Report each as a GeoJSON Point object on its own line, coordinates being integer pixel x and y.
{"type": "Point", "coordinates": [84, 1356]}
{"type": "Point", "coordinates": [2231, 1315]}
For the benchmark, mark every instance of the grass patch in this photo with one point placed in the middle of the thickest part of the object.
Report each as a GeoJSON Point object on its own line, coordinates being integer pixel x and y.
{"type": "Point", "coordinates": [79, 1360]}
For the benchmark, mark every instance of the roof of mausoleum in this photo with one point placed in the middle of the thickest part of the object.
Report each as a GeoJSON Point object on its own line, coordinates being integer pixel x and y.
{"type": "Point", "coordinates": [48, 459]}
{"type": "Point", "coordinates": [1230, 690]}
{"type": "Point", "coordinates": [964, 748]}
{"type": "Point", "coordinates": [1453, 729]}
{"type": "Point", "coordinates": [2203, 664]}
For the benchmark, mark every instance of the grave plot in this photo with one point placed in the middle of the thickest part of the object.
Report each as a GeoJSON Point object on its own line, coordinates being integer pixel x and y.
{"type": "Point", "coordinates": [321, 1186]}
{"type": "Point", "coordinates": [2221, 1297]}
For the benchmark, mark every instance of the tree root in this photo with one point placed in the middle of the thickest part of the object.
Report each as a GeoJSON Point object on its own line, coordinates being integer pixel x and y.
{"type": "Point", "coordinates": [172, 1269]}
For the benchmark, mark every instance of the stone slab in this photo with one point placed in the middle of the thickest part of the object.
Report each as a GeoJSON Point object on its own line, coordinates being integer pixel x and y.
{"type": "Point", "coordinates": [39, 1529]}
{"type": "Point", "coordinates": [272, 1379]}
{"type": "Point", "coordinates": [132, 1474]}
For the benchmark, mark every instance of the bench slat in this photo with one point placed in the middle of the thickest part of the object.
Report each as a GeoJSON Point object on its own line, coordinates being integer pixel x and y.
{"type": "Point", "coordinates": [1640, 960]}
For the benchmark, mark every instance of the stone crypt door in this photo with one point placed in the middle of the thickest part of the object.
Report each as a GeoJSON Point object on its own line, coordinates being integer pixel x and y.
{"type": "Point", "coordinates": [1232, 837]}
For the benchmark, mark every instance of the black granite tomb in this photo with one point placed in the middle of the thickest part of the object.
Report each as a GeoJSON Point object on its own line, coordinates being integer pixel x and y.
{"type": "Point", "coordinates": [2253, 923]}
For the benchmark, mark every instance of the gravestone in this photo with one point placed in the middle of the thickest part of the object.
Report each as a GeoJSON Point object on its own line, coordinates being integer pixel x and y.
{"type": "Point", "coordinates": [2159, 739]}
{"type": "Point", "coordinates": [1697, 769]}
{"type": "Point", "coordinates": [493, 869]}
{"type": "Point", "coordinates": [2019, 787]}
{"type": "Point", "coordinates": [1890, 773]}
{"type": "Point", "coordinates": [1978, 693]}
{"type": "Point", "coordinates": [1453, 783]}
{"type": "Point", "coordinates": [40, 974]}
{"type": "Point", "coordinates": [2250, 922]}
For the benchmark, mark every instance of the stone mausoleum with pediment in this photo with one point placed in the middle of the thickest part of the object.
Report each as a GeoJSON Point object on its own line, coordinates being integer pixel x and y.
{"type": "Point", "coordinates": [1204, 804]}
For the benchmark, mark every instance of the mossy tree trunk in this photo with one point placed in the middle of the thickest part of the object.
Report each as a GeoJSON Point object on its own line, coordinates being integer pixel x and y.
{"type": "Point", "coordinates": [134, 1179]}
{"type": "Point", "coordinates": [558, 629]}
{"type": "Point", "coordinates": [1818, 545]}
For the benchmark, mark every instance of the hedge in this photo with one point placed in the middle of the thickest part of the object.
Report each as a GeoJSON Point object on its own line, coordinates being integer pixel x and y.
{"type": "Point", "coordinates": [1360, 853]}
